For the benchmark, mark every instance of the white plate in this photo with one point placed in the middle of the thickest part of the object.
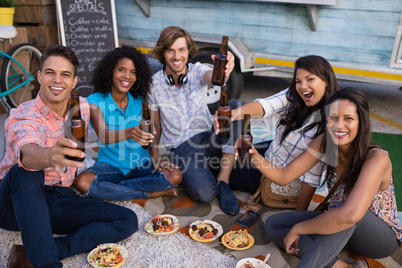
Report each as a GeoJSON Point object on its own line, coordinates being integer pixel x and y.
{"type": "Point", "coordinates": [149, 225]}
{"type": "Point", "coordinates": [200, 239]}
{"type": "Point", "coordinates": [123, 251]}
{"type": "Point", "coordinates": [256, 263]}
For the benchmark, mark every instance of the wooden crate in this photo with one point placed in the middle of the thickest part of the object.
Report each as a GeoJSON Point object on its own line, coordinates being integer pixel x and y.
{"type": "Point", "coordinates": [42, 35]}
{"type": "Point", "coordinates": [36, 12]}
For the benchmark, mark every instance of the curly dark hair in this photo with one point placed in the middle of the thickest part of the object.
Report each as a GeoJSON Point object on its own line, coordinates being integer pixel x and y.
{"type": "Point", "coordinates": [102, 76]}
{"type": "Point", "coordinates": [298, 111]}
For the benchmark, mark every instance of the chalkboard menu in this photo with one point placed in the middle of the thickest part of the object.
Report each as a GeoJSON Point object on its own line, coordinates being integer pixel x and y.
{"type": "Point", "coordinates": [88, 27]}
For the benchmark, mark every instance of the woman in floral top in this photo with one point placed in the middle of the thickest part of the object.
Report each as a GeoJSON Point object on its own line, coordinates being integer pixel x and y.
{"type": "Point", "coordinates": [362, 215]}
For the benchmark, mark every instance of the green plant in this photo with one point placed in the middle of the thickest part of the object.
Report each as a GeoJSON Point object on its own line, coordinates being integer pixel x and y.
{"type": "Point", "coordinates": [6, 3]}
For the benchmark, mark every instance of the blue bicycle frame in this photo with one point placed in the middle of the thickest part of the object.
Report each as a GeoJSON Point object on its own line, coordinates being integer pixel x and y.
{"type": "Point", "coordinates": [15, 78]}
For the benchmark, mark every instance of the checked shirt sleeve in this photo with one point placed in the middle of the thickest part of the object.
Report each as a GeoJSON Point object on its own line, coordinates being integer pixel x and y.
{"type": "Point", "coordinates": [274, 104]}
{"type": "Point", "coordinates": [20, 133]}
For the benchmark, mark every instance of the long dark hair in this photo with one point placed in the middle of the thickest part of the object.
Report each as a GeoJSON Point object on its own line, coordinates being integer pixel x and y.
{"type": "Point", "coordinates": [359, 146]}
{"type": "Point", "coordinates": [102, 77]}
{"type": "Point", "coordinates": [298, 111]}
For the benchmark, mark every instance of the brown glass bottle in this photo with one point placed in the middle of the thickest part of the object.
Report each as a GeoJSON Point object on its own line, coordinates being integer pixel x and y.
{"type": "Point", "coordinates": [75, 125]}
{"type": "Point", "coordinates": [146, 123]}
{"type": "Point", "coordinates": [224, 114]}
{"type": "Point", "coordinates": [218, 74]}
{"type": "Point", "coordinates": [245, 141]}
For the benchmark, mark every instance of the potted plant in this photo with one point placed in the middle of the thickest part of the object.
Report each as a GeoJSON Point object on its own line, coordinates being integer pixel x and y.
{"type": "Point", "coordinates": [7, 11]}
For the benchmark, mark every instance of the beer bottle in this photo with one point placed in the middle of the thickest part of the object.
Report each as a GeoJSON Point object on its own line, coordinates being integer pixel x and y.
{"type": "Point", "coordinates": [218, 74]}
{"type": "Point", "coordinates": [146, 123]}
{"type": "Point", "coordinates": [245, 141]}
{"type": "Point", "coordinates": [224, 114]}
{"type": "Point", "coordinates": [75, 126]}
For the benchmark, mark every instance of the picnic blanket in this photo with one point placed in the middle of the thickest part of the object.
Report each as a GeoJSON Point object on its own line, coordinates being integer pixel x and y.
{"type": "Point", "coordinates": [179, 250]}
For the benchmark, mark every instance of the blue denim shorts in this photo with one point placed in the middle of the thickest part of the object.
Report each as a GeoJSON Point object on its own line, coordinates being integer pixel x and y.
{"type": "Point", "coordinates": [144, 178]}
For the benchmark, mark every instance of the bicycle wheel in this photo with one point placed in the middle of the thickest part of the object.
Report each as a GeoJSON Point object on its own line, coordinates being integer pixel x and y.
{"type": "Point", "coordinates": [12, 75]}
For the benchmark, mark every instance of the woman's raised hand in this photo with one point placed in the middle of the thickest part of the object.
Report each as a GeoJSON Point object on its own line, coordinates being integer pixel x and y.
{"type": "Point", "coordinates": [141, 137]}
{"type": "Point", "coordinates": [236, 114]}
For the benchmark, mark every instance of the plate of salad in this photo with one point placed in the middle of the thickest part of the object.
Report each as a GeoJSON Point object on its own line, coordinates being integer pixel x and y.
{"type": "Point", "coordinates": [162, 225]}
{"type": "Point", "coordinates": [205, 231]}
{"type": "Point", "coordinates": [107, 255]}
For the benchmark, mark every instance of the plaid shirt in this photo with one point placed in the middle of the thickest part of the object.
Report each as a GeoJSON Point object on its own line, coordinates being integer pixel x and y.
{"type": "Point", "coordinates": [35, 123]}
{"type": "Point", "coordinates": [281, 154]}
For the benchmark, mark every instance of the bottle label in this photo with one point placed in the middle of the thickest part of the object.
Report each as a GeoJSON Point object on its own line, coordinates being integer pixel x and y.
{"type": "Point", "coordinates": [75, 123]}
{"type": "Point", "coordinates": [218, 74]}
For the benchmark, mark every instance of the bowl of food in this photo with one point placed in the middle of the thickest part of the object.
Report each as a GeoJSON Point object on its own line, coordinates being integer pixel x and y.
{"type": "Point", "coordinates": [238, 240]}
{"type": "Point", "coordinates": [162, 225]}
{"type": "Point", "coordinates": [107, 255]}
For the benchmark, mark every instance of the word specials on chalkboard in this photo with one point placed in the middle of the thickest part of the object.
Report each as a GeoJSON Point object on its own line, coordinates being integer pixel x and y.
{"type": "Point", "coordinates": [89, 29]}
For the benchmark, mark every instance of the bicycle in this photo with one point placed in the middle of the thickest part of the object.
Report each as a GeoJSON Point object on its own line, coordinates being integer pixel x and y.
{"type": "Point", "coordinates": [18, 71]}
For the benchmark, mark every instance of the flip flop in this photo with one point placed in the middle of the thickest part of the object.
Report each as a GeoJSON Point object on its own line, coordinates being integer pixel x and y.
{"type": "Point", "coordinates": [362, 263]}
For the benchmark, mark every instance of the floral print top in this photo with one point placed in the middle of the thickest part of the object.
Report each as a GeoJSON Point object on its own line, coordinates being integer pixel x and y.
{"type": "Point", "coordinates": [383, 204]}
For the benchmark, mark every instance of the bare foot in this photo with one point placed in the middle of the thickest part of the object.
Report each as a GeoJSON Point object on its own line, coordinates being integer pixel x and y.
{"type": "Point", "coordinates": [170, 192]}
{"type": "Point", "coordinates": [341, 264]}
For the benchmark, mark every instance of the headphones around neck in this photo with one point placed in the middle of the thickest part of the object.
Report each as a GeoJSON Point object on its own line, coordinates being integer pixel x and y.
{"type": "Point", "coordinates": [183, 79]}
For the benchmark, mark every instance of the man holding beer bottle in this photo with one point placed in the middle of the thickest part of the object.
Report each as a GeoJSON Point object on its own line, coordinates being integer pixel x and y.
{"type": "Point", "coordinates": [178, 102]}
{"type": "Point", "coordinates": [35, 194]}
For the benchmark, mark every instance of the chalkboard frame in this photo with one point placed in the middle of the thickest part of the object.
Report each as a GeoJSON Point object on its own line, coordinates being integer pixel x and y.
{"type": "Point", "coordinates": [62, 35]}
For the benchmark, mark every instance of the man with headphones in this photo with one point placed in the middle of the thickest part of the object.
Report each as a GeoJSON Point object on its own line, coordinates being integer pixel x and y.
{"type": "Point", "coordinates": [180, 112]}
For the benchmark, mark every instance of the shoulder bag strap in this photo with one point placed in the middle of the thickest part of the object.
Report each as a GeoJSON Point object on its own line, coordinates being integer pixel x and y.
{"type": "Point", "coordinates": [331, 192]}
{"type": "Point", "coordinates": [252, 203]}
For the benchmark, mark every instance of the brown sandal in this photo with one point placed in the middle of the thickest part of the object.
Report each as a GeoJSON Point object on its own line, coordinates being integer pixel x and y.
{"type": "Point", "coordinates": [18, 258]}
{"type": "Point", "coordinates": [252, 203]}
